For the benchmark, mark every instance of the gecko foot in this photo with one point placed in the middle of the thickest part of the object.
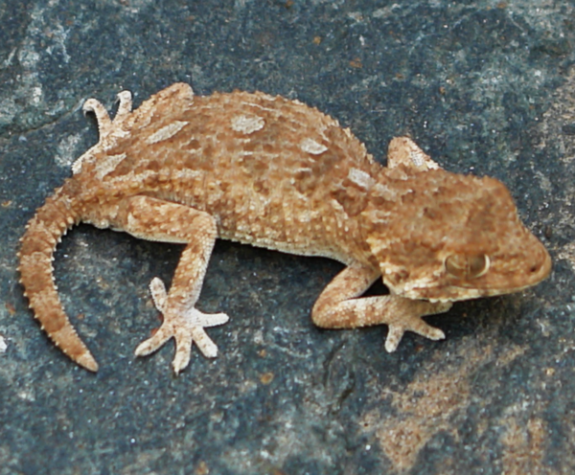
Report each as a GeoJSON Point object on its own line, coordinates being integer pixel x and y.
{"type": "Point", "coordinates": [415, 324]}
{"type": "Point", "coordinates": [186, 328]}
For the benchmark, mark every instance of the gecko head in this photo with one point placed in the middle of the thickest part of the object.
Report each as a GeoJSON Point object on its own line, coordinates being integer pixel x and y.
{"type": "Point", "coordinates": [441, 236]}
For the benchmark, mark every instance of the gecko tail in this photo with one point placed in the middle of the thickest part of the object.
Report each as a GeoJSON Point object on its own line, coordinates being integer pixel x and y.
{"type": "Point", "coordinates": [43, 233]}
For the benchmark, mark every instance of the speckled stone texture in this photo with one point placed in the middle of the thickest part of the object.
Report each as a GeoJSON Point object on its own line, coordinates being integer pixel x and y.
{"type": "Point", "coordinates": [487, 87]}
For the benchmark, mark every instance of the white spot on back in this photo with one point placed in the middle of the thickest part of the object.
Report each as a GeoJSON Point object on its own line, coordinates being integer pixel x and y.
{"type": "Point", "coordinates": [313, 147]}
{"type": "Point", "coordinates": [360, 178]}
{"type": "Point", "coordinates": [108, 164]}
{"type": "Point", "coordinates": [247, 124]}
{"type": "Point", "coordinates": [166, 132]}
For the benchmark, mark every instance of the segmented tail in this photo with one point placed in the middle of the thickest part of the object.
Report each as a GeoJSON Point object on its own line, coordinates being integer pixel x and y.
{"type": "Point", "coordinates": [51, 221]}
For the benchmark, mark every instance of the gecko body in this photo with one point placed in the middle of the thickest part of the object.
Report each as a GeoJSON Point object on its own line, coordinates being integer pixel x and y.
{"type": "Point", "coordinates": [276, 173]}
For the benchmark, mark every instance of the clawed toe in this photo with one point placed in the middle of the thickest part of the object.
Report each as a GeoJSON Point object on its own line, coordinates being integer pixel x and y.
{"type": "Point", "coordinates": [394, 336]}
{"type": "Point", "coordinates": [154, 343]}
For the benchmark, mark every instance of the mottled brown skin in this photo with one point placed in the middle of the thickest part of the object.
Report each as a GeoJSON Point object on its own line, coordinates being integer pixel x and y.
{"type": "Point", "coordinates": [275, 173]}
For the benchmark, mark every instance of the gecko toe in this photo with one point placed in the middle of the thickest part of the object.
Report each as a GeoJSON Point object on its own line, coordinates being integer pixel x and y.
{"type": "Point", "coordinates": [207, 320]}
{"type": "Point", "coordinates": [394, 336]}
{"type": "Point", "coordinates": [204, 343]}
{"type": "Point", "coordinates": [155, 342]}
{"type": "Point", "coordinates": [424, 329]}
{"type": "Point", "coordinates": [182, 358]}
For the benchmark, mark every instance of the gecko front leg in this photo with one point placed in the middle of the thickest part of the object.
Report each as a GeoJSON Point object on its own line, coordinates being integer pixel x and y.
{"type": "Point", "coordinates": [157, 220]}
{"type": "Point", "coordinates": [338, 307]}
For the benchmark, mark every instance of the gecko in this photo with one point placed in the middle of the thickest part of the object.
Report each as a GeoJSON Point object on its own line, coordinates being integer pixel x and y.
{"type": "Point", "coordinates": [275, 173]}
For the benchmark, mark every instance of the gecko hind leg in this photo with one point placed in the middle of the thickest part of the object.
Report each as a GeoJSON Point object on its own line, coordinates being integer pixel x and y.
{"type": "Point", "coordinates": [158, 220]}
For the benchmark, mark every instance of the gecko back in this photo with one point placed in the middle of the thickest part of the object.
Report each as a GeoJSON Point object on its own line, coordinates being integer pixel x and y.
{"type": "Point", "coordinates": [273, 172]}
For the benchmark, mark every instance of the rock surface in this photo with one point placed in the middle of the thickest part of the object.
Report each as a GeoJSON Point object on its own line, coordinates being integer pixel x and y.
{"type": "Point", "coordinates": [486, 88]}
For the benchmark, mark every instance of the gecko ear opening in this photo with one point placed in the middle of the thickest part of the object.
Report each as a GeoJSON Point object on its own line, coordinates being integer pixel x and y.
{"type": "Point", "coordinates": [465, 266]}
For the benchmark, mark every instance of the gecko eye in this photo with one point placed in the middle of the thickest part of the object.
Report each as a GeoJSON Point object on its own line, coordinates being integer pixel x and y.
{"type": "Point", "coordinates": [467, 267]}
